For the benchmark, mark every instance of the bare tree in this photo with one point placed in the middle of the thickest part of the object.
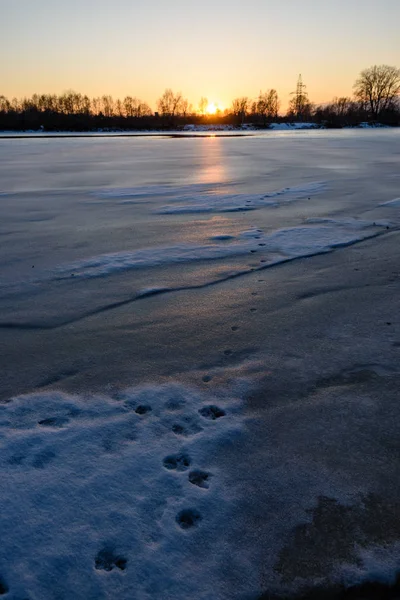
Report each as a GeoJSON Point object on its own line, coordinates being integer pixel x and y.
{"type": "Point", "coordinates": [340, 106]}
{"type": "Point", "coordinates": [268, 105]}
{"type": "Point", "coordinates": [129, 106]}
{"type": "Point", "coordinates": [86, 105]}
{"type": "Point", "coordinates": [170, 104]}
{"type": "Point", "coordinates": [186, 108]}
{"type": "Point", "coordinates": [143, 109]}
{"type": "Point", "coordinates": [70, 102]}
{"type": "Point", "coordinates": [340, 112]}
{"type": "Point", "coordinates": [203, 105]}
{"type": "Point", "coordinates": [240, 107]}
{"type": "Point", "coordinates": [48, 103]}
{"type": "Point", "coordinates": [119, 108]}
{"type": "Point", "coordinates": [134, 107]}
{"type": "Point", "coordinates": [377, 87]}
{"type": "Point", "coordinates": [107, 104]}
{"type": "Point", "coordinates": [96, 106]}
{"type": "Point", "coordinates": [4, 104]}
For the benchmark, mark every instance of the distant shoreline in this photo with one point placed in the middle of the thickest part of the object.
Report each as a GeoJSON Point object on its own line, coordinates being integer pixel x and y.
{"type": "Point", "coordinates": [185, 132]}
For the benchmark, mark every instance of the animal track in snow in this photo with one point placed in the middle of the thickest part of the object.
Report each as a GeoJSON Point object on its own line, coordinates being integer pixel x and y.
{"type": "Point", "coordinates": [177, 462]}
{"type": "Point", "coordinates": [188, 518]}
{"type": "Point", "coordinates": [187, 426]}
{"type": "Point", "coordinates": [143, 409]}
{"type": "Point", "coordinates": [200, 478]}
{"type": "Point", "coordinates": [3, 587]}
{"type": "Point", "coordinates": [53, 422]}
{"type": "Point", "coordinates": [212, 412]}
{"type": "Point", "coordinates": [107, 560]}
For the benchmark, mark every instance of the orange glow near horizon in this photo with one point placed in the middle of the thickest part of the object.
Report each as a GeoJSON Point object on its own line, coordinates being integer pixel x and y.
{"type": "Point", "coordinates": [212, 108]}
{"type": "Point", "coordinates": [71, 47]}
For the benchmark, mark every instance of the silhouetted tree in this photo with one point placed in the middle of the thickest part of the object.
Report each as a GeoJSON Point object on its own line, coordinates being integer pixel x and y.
{"type": "Point", "coordinates": [170, 103]}
{"type": "Point", "coordinates": [186, 108]}
{"type": "Point", "coordinates": [96, 106]}
{"type": "Point", "coordinates": [107, 106]}
{"type": "Point", "coordinates": [4, 104]}
{"type": "Point", "coordinates": [240, 108]}
{"type": "Point", "coordinates": [377, 94]}
{"type": "Point", "coordinates": [267, 106]}
{"type": "Point", "coordinates": [133, 107]}
{"type": "Point", "coordinates": [341, 106]}
{"type": "Point", "coordinates": [377, 87]}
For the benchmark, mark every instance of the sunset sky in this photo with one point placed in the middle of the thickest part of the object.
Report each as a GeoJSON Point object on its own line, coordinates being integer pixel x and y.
{"type": "Point", "coordinates": [215, 48]}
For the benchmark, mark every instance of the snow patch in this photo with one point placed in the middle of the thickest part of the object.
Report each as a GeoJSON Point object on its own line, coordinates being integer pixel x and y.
{"type": "Point", "coordinates": [292, 126]}
{"type": "Point", "coordinates": [350, 222]}
{"type": "Point", "coordinates": [243, 202]}
{"type": "Point", "coordinates": [193, 127]}
{"type": "Point", "coordinates": [106, 495]}
{"type": "Point", "coordinates": [394, 202]}
{"type": "Point", "coordinates": [318, 235]}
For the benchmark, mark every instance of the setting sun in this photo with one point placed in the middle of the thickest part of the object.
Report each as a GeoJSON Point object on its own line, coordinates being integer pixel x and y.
{"type": "Point", "coordinates": [212, 108]}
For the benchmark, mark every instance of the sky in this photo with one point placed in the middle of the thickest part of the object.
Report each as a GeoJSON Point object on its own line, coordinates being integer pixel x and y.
{"type": "Point", "coordinates": [220, 49]}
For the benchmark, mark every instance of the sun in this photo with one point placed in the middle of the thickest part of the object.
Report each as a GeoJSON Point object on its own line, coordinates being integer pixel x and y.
{"type": "Point", "coordinates": [212, 108]}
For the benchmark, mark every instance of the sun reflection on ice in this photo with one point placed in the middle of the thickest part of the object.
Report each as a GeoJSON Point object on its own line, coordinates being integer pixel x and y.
{"type": "Point", "coordinates": [212, 167]}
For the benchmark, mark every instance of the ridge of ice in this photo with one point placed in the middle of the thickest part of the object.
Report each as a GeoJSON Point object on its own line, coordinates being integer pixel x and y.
{"type": "Point", "coordinates": [242, 202]}
{"type": "Point", "coordinates": [292, 242]}
{"type": "Point", "coordinates": [394, 202]}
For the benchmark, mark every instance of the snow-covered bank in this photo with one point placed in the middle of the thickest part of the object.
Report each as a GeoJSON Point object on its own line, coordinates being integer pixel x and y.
{"type": "Point", "coordinates": [188, 129]}
{"type": "Point", "coordinates": [251, 127]}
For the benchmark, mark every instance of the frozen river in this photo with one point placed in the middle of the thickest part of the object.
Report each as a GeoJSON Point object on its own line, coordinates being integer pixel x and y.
{"type": "Point", "coordinates": [143, 214]}
{"type": "Point", "coordinates": [134, 275]}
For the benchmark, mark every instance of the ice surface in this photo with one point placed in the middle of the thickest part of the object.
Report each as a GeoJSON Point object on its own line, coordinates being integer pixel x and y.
{"type": "Point", "coordinates": [154, 190]}
{"type": "Point", "coordinates": [288, 243]}
{"type": "Point", "coordinates": [137, 494]}
{"type": "Point", "coordinates": [106, 495]}
{"type": "Point", "coordinates": [242, 202]}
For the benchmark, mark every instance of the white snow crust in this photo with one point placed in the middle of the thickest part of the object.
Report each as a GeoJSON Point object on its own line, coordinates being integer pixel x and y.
{"type": "Point", "coordinates": [94, 486]}
{"type": "Point", "coordinates": [395, 202]}
{"type": "Point", "coordinates": [241, 202]}
{"type": "Point", "coordinates": [292, 126]}
{"type": "Point", "coordinates": [278, 246]}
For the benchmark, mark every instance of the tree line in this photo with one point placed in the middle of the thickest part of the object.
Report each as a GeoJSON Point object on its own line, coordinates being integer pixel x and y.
{"type": "Point", "coordinates": [375, 99]}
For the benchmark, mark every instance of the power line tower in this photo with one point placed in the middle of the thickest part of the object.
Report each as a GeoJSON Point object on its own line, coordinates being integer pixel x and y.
{"type": "Point", "coordinates": [300, 100]}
